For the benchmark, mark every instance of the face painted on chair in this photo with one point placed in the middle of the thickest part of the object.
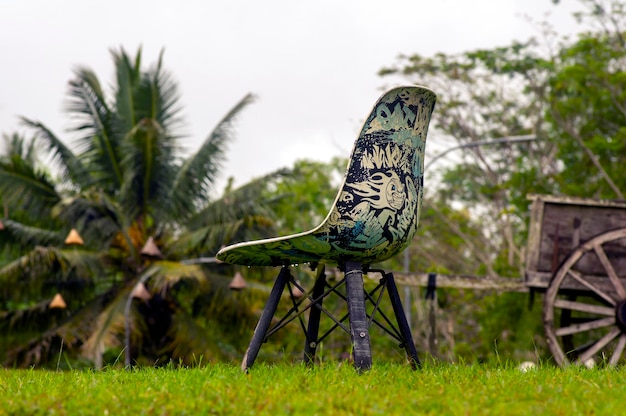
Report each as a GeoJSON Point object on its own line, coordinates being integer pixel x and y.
{"type": "Point", "coordinates": [395, 192]}
{"type": "Point", "coordinates": [383, 190]}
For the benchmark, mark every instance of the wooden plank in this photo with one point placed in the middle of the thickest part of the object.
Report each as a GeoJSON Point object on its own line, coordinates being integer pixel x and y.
{"type": "Point", "coordinates": [570, 200]}
{"type": "Point", "coordinates": [534, 234]}
{"type": "Point", "coordinates": [464, 282]}
{"type": "Point", "coordinates": [584, 307]}
{"type": "Point", "coordinates": [511, 284]}
{"type": "Point", "coordinates": [619, 349]}
{"type": "Point", "coordinates": [586, 282]}
{"type": "Point", "coordinates": [538, 280]}
{"type": "Point", "coordinates": [619, 287]}
{"type": "Point", "coordinates": [600, 344]}
{"type": "Point", "coordinates": [584, 327]}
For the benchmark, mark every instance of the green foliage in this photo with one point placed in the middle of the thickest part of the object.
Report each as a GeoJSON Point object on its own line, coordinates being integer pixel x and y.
{"type": "Point", "coordinates": [586, 97]}
{"type": "Point", "coordinates": [123, 183]}
{"type": "Point", "coordinates": [126, 179]}
{"type": "Point", "coordinates": [482, 95]}
{"type": "Point", "coordinates": [569, 96]}
{"type": "Point", "coordinates": [524, 341]}
{"type": "Point", "coordinates": [305, 196]}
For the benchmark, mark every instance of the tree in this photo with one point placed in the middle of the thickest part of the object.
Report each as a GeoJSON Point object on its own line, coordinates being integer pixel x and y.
{"type": "Point", "coordinates": [482, 95]}
{"type": "Point", "coordinates": [570, 100]}
{"type": "Point", "coordinates": [305, 196]}
{"type": "Point", "coordinates": [144, 211]}
{"type": "Point", "coordinates": [567, 94]}
{"type": "Point", "coordinates": [586, 97]}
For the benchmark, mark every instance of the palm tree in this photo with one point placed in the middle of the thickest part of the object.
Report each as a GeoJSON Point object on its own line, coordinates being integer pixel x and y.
{"type": "Point", "coordinates": [142, 209]}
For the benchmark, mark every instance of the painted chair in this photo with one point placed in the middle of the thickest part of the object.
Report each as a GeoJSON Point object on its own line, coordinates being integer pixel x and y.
{"type": "Point", "coordinates": [374, 217]}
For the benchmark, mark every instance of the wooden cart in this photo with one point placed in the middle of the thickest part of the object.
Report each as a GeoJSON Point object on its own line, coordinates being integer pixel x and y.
{"type": "Point", "coordinates": [577, 257]}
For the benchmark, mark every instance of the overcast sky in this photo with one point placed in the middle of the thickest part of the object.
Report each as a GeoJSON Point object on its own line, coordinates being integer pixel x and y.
{"type": "Point", "coordinates": [312, 63]}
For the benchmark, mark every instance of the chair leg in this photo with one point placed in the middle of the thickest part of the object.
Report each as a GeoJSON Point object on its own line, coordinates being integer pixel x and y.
{"type": "Point", "coordinates": [403, 324]}
{"type": "Point", "coordinates": [314, 317]}
{"type": "Point", "coordinates": [266, 318]}
{"type": "Point", "coordinates": [359, 330]}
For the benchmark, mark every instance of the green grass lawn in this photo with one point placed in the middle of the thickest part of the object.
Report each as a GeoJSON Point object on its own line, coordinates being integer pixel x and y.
{"type": "Point", "coordinates": [327, 389]}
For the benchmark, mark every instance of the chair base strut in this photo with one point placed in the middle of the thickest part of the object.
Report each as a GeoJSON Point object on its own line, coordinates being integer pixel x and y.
{"type": "Point", "coordinates": [358, 317]}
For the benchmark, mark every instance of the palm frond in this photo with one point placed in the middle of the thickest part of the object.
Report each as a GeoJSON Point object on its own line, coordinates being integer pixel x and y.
{"type": "Point", "coordinates": [22, 185]}
{"type": "Point", "coordinates": [122, 181]}
{"type": "Point", "coordinates": [16, 144]}
{"type": "Point", "coordinates": [165, 274]}
{"type": "Point", "coordinates": [147, 104]}
{"type": "Point", "coordinates": [69, 335]}
{"type": "Point", "coordinates": [66, 164]}
{"type": "Point", "coordinates": [223, 303]}
{"type": "Point", "coordinates": [108, 328]}
{"type": "Point", "coordinates": [158, 98]}
{"type": "Point", "coordinates": [192, 344]}
{"type": "Point", "coordinates": [222, 316]}
{"type": "Point", "coordinates": [148, 171]}
{"type": "Point", "coordinates": [27, 275]}
{"type": "Point", "coordinates": [242, 213]}
{"type": "Point", "coordinates": [30, 236]}
{"type": "Point", "coordinates": [97, 217]}
{"type": "Point", "coordinates": [245, 201]}
{"type": "Point", "coordinates": [197, 175]}
{"type": "Point", "coordinates": [205, 240]}
{"type": "Point", "coordinates": [37, 314]}
{"type": "Point", "coordinates": [99, 142]}
{"type": "Point", "coordinates": [128, 74]}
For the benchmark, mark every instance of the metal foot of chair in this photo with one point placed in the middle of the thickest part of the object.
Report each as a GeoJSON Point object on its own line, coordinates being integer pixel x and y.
{"type": "Point", "coordinates": [403, 324]}
{"type": "Point", "coordinates": [313, 327]}
{"type": "Point", "coordinates": [359, 332]}
{"type": "Point", "coordinates": [266, 318]}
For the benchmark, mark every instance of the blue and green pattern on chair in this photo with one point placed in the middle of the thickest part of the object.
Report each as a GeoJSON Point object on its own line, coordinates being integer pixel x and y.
{"type": "Point", "coordinates": [376, 211]}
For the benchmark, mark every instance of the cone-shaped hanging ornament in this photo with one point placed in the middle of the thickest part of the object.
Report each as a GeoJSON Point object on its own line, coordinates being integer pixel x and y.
{"type": "Point", "coordinates": [57, 302]}
{"type": "Point", "coordinates": [150, 249]}
{"type": "Point", "coordinates": [296, 292]}
{"type": "Point", "coordinates": [141, 292]}
{"type": "Point", "coordinates": [73, 238]}
{"type": "Point", "coordinates": [237, 283]}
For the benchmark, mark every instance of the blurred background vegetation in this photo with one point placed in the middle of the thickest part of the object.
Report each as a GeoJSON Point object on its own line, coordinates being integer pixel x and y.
{"type": "Point", "coordinates": [149, 219]}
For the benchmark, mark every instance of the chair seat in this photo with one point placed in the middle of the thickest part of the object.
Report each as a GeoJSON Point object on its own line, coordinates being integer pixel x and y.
{"type": "Point", "coordinates": [309, 247]}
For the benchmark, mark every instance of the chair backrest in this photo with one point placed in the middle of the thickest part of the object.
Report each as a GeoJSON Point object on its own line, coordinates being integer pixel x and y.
{"type": "Point", "coordinates": [376, 211]}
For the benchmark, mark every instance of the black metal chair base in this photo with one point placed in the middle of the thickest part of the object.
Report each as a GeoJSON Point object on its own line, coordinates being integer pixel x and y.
{"type": "Point", "coordinates": [359, 320]}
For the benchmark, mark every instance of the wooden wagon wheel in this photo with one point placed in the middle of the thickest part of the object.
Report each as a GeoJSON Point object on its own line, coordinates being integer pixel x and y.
{"type": "Point", "coordinates": [585, 315]}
